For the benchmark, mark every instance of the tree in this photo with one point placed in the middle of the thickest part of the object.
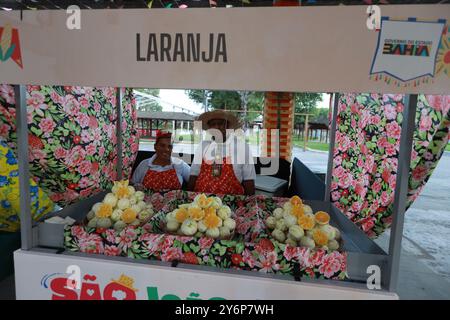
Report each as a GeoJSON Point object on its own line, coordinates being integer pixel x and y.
{"type": "Point", "coordinates": [255, 103]}
{"type": "Point", "coordinates": [244, 95]}
{"type": "Point", "coordinates": [321, 113]}
{"type": "Point", "coordinates": [149, 104]}
{"type": "Point", "coordinates": [231, 100]}
{"type": "Point", "coordinates": [306, 103]}
{"type": "Point", "coordinates": [200, 96]}
{"type": "Point", "coordinates": [251, 101]}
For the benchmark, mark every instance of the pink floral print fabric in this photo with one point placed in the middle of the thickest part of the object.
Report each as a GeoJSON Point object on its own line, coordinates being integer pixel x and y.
{"type": "Point", "coordinates": [366, 154]}
{"type": "Point", "coordinates": [72, 137]}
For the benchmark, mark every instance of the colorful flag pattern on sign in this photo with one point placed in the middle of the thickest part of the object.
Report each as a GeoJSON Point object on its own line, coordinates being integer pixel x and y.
{"type": "Point", "coordinates": [10, 45]}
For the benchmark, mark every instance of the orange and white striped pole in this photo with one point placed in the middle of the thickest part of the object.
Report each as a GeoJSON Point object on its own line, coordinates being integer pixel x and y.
{"type": "Point", "coordinates": [279, 110]}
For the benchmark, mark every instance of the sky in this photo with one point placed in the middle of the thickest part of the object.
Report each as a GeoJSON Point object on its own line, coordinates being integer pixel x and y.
{"type": "Point", "coordinates": [180, 98]}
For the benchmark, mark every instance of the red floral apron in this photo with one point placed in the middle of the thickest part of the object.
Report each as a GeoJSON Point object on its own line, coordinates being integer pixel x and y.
{"type": "Point", "coordinates": [161, 181]}
{"type": "Point", "coordinates": [226, 183]}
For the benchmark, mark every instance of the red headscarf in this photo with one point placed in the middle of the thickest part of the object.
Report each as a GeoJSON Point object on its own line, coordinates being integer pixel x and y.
{"type": "Point", "coordinates": [162, 134]}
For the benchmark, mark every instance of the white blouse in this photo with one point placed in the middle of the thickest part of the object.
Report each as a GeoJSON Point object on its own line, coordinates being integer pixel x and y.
{"type": "Point", "coordinates": [238, 151]}
{"type": "Point", "coordinates": [181, 168]}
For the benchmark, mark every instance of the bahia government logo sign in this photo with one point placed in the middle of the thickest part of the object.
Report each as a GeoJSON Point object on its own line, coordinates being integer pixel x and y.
{"type": "Point", "coordinates": [10, 45]}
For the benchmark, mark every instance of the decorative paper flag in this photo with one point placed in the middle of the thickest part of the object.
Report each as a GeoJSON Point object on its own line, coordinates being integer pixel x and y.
{"type": "Point", "coordinates": [407, 50]}
{"type": "Point", "coordinates": [9, 45]}
{"type": "Point", "coordinates": [443, 57]}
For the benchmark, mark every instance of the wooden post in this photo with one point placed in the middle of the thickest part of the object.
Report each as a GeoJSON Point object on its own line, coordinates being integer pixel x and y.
{"type": "Point", "coordinates": [305, 141]}
{"type": "Point", "coordinates": [151, 128]}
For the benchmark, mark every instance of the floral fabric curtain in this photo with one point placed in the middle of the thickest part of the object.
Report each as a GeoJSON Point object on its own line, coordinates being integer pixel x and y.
{"type": "Point", "coordinates": [72, 137]}
{"type": "Point", "coordinates": [366, 154]}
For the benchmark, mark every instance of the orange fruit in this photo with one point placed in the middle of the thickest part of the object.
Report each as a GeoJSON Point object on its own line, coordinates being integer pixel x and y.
{"type": "Point", "coordinates": [123, 192]}
{"type": "Point", "coordinates": [295, 201]}
{"type": "Point", "coordinates": [181, 215]}
{"type": "Point", "coordinates": [322, 217]}
{"type": "Point", "coordinates": [306, 222]}
{"type": "Point", "coordinates": [204, 202]}
{"type": "Point", "coordinates": [209, 211]}
{"type": "Point", "coordinates": [320, 237]}
{"type": "Point", "coordinates": [196, 213]}
{"type": "Point", "coordinates": [105, 211]}
{"type": "Point", "coordinates": [212, 221]}
{"type": "Point", "coordinates": [129, 215]}
{"type": "Point", "coordinates": [298, 211]}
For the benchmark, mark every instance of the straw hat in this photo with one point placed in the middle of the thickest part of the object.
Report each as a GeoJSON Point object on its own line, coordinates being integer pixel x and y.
{"type": "Point", "coordinates": [233, 122]}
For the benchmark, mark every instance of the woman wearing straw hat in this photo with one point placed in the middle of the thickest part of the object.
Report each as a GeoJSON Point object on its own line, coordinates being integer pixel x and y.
{"type": "Point", "coordinates": [222, 167]}
{"type": "Point", "coordinates": [161, 172]}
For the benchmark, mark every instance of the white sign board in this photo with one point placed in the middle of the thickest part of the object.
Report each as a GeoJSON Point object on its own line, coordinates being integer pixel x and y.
{"type": "Point", "coordinates": [296, 49]}
{"type": "Point", "coordinates": [44, 276]}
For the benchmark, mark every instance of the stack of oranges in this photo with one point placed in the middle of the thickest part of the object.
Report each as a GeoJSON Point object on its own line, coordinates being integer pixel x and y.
{"type": "Point", "coordinates": [295, 225]}
{"type": "Point", "coordinates": [205, 216]}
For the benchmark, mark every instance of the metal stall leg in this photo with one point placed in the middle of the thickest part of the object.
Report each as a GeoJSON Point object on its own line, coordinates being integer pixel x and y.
{"type": "Point", "coordinates": [24, 170]}
{"type": "Point", "coordinates": [119, 97]}
{"type": "Point", "coordinates": [331, 148]}
{"type": "Point", "coordinates": [401, 190]}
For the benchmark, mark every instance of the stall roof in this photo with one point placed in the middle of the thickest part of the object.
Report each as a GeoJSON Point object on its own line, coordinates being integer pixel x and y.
{"type": "Point", "coordinates": [179, 116]}
{"type": "Point", "coordinates": [136, 4]}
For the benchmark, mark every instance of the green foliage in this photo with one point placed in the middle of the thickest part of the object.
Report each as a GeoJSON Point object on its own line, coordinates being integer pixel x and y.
{"type": "Point", "coordinates": [151, 105]}
{"type": "Point", "coordinates": [307, 103]}
{"type": "Point", "coordinates": [235, 100]}
{"type": "Point", "coordinates": [231, 100]}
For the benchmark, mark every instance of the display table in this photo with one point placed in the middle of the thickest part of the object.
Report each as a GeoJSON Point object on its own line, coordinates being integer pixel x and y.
{"type": "Point", "coordinates": [41, 274]}
{"type": "Point", "coordinates": [157, 263]}
{"type": "Point", "coordinates": [251, 248]}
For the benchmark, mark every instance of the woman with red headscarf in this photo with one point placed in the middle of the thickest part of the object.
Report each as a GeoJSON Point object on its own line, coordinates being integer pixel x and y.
{"type": "Point", "coordinates": [161, 172]}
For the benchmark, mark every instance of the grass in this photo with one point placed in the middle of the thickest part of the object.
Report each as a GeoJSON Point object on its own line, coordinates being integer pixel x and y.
{"type": "Point", "coordinates": [254, 140]}
{"type": "Point", "coordinates": [314, 145]}
{"type": "Point", "coordinates": [187, 138]}
{"type": "Point", "coordinates": [184, 138]}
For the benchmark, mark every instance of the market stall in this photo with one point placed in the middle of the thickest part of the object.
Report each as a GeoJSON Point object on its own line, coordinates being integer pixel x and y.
{"type": "Point", "coordinates": [144, 260]}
